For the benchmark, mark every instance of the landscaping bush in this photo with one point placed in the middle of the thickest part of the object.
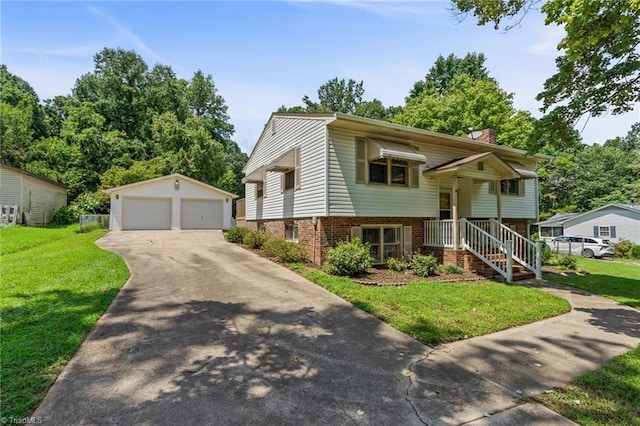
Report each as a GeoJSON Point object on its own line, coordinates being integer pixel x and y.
{"type": "Point", "coordinates": [66, 216]}
{"type": "Point", "coordinates": [398, 265]}
{"type": "Point", "coordinates": [627, 249]}
{"type": "Point", "coordinates": [285, 251]}
{"type": "Point", "coordinates": [568, 261]}
{"type": "Point", "coordinates": [255, 239]}
{"type": "Point", "coordinates": [546, 254]}
{"type": "Point", "coordinates": [348, 258]}
{"type": "Point", "coordinates": [453, 269]}
{"type": "Point", "coordinates": [424, 265]}
{"type": "Point", "coordinates": [236, 234]}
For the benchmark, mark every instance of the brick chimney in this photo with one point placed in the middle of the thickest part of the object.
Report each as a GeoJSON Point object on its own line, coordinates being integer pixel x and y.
{"type": "Point", "coordinates": [484, 135]}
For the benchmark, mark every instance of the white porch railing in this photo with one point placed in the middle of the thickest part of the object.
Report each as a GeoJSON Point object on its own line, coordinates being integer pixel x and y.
{"type": "Point", "coordinates": [495, 244]}
{"type": "Point", "coordinates": [525, 252]}
{"type": "Point", "coordinates": [489, 249]}
{"type": "Point", "coordinates": [438, 233]}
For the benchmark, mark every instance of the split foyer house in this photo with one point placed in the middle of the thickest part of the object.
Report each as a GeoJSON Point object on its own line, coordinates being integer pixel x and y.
{"type": "Point", "coordinates": [320, 179]}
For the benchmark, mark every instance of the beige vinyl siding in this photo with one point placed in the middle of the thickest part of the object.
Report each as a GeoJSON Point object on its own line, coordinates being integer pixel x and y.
{"type": "Point", "coordinates": [10, 187]}
{"type": "Point", "coordinates": [346, 198]}
{"type": "Point", "coordinates": [310, 199]}
{"type": "Point", "coordinates": [513, 206]}
{"type": "Point", "coordinates": [43, 198]}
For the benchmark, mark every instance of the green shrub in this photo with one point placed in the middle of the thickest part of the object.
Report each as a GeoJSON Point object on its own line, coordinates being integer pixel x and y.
{"type": "Point", "coordinates": [236, 234]}
{"type": "Point", "coordinates": [452, 268]}
{"type": "Point", "coordinates": [348, 258]}
{"type": "Point", "coordinates": [398, 265]}
{"type": "Point", "coordinates": [255, 239]}
{"type": "Point", "coordinates": [546, 254]}
{"type": "Point", "coordinates": [424, 265]}
{"type": "Point", "coordinates": [285, 251]}
{"type": "Point", "coordinates": [568, 261]}
{"type": "Point", "coordinates": [626, 248]}
{"type": "Point", "coordinates": [66, 216]}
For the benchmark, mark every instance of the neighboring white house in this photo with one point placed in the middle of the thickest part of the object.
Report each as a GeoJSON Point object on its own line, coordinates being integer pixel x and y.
{"type": "Point", "coordinates": [169, 202]}
{"type": "Point", "coordinates": [33, 194]}
{"type": "Point", "coordinates": [612, 222]}
{"type": "Point", "coordinates": [323, 178]}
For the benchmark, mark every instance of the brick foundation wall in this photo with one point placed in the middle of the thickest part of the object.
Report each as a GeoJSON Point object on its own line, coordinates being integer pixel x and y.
{"type": "Point", "coordinates": [330, 231]}
{"type": "Point", "coordinates": [522, 225]}
{"type": "Point", "coordinates": [462, 258]}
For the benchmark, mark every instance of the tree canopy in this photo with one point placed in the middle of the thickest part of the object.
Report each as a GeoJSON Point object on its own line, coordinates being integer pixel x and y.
{"type": "Point", "coordinates": [598, 70]}
{"type": "Point", "coordinates": [123, 122]}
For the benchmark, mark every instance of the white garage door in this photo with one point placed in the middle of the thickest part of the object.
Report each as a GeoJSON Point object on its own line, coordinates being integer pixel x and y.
{"type": "Point", "coordinates": [146, 213]}
{"type": "Point", "coordinates": [201, 214]}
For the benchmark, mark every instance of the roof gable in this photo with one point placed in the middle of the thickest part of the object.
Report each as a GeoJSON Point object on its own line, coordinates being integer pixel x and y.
{"type": "Point", "coordinates": [170, 177]}
{"type": "Point", "coordinates": [33, 175]}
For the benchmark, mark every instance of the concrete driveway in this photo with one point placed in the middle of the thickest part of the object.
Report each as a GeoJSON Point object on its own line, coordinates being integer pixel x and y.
{"type": "Point", "coordinates": [205, 332]}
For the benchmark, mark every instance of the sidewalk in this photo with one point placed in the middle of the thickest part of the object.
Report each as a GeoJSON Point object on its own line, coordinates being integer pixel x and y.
{"type": "Point", "coordinates": [531, 359]}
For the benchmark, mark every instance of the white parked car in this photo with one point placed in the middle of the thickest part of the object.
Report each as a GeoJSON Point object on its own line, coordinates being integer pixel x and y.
{"type": "Point", "coordinates": [579, 245]}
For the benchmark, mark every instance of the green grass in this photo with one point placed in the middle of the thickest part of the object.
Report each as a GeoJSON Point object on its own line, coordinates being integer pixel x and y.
{"type": "Point", "coordinates": [611, 394]}
{"type": "Point", "coordinates": [608, 396]}
{"type": "Point", "coordinates": [436, 313]}
{"type": "Point", "coordinates": [56, 283]}
{"type": "Point", "coordinates": [619, 281]}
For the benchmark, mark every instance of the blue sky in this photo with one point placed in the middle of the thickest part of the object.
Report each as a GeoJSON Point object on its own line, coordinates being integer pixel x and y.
{"type": "Point", "coordinates": [265, 54]}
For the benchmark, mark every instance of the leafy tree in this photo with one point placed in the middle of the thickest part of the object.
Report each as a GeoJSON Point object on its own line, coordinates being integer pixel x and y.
{"type": "Point", "coordinates": [599, 65]}
{"type": "Point", "coordinates": [16, 132]}
{"type": "Point", "coordinates": [466, 104]}
{"type": "Point", "coordinates": [203, 101]}
{"type": "Point", "coordinates": [441, 75]}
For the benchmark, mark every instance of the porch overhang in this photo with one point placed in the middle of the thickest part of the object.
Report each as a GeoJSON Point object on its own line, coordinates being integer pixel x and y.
{"type": "Point", "coordinates": [523, 171]}
{"type": "Point", "coordinates": [256, 176]}
{"type": "Point", "coordinates": [378, 149]}
{"type": "Point", "coordinates": [469, 166]}
{"type": "Point", "coordinates": [285, 163]}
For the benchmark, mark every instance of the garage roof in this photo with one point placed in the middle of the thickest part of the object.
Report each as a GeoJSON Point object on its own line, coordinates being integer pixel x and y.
{"type": "Point", "coordinates": [170, 177]}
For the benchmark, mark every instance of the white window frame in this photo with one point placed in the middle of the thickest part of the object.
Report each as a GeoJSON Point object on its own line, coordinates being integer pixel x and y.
{"type": "Point", "coordinates": [504, 188]}
{"type": "Point", "coordinates": [363, 164]}
{"type": "Point", "coordinates": [260, 189]}
{"type": "Point", "coordinates": [291, 233]}
{"type": "Point", "coordinates": [381, 244]}
{"type": "Point", "coordinates": [607, 232]}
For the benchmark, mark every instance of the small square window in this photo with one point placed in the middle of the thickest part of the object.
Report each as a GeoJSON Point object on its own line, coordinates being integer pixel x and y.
{"type": "Point", "coordinates": [604, 231]}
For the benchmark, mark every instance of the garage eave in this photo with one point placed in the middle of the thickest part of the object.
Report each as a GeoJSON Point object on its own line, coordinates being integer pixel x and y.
{"type": "Point", "coordinates": [176, 176]}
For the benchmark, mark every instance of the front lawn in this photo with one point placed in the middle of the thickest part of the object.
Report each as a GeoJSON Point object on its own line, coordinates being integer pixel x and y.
{"type": "Point", "coordinates": [56, 283]}
{"type": "Point", "coordinates": [611, 394]}
{"type": "Point", "coordinates": [436, 313]}
{"type": "Point", "coordinates": [619, 281]}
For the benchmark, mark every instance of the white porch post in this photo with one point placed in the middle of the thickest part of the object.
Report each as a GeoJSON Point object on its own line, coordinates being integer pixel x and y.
{"type": "Point", "coordinates": [454, 212]}
{"type": "Point", "coordinates": [499, 200]}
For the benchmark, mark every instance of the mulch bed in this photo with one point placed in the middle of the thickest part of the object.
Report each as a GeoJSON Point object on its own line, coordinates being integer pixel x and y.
{"type": "Point", "coordinates": [386, 277]}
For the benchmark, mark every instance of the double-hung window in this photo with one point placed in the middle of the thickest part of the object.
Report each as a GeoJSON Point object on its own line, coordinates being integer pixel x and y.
{"type": "Point", "coordinates": [508, 187]}
{"type": "Point", "coordinates": [387, 163]}
{"type": "Point", "coordinates": [384, 241]}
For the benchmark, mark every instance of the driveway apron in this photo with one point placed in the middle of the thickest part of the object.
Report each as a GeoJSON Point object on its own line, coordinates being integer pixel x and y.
{"type": "Point", "coordinates": [207, 332]}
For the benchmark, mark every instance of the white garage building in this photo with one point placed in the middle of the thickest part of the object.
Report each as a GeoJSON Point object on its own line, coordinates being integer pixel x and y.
{"type": "Point", "coordinates": [169, 202]}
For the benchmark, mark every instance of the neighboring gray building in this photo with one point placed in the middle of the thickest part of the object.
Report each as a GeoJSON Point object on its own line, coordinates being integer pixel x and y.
{"type": "Point", "coordinates": [34, 194]}
{"type": "Point", "coordinates": [612, 222]}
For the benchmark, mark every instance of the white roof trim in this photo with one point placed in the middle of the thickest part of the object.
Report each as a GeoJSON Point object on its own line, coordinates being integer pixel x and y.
{"type": "Point", "coordinates": [167, 177]}
{"type": "Point", "coordinates": [378, 149]}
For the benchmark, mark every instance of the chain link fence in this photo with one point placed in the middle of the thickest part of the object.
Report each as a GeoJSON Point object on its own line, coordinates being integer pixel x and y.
{"type": "Point", "coordinates": [93, 221]}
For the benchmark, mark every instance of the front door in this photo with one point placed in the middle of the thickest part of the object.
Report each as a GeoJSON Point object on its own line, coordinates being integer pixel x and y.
{"type": "Point", "coordinates": [445, 205]}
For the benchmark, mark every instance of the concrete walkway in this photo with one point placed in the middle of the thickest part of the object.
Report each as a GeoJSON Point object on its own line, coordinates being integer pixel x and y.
{"type": "Point", "coordinates": [206, 332]}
